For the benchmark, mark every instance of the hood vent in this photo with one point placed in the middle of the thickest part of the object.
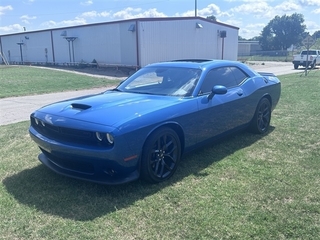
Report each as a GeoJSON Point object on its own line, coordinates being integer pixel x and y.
{"type": "Point", "coordinates": [80, 106]}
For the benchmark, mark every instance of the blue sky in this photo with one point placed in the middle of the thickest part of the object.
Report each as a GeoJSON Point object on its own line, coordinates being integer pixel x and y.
{"type": "Point", "coordinates": [249, 15]}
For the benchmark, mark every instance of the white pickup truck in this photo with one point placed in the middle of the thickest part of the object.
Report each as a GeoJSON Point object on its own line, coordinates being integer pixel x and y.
{"type": "Point", "coordinates": [301, 59]}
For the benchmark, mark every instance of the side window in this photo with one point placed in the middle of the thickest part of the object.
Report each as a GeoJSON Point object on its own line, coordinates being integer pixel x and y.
{"type": "Point", "coordinates": [219, 76]}
{"type": "Point", "coordinates": [239, 75]}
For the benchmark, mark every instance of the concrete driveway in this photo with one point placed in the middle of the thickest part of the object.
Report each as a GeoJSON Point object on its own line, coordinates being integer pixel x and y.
{"type": "Point", "coordinates": [17, 109]}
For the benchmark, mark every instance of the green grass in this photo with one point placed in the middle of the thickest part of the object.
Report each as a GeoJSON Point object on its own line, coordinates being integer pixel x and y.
{"type": "Point", "coordinates": [244, 187]}
{"type": "Point", "coordinates": [25, 80]}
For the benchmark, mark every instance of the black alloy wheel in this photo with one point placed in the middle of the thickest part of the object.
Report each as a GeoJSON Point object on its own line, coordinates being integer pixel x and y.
{"type": "Point", "coordinates": [261, 120]}
{"type": "Point", "coordinates": [161, 155]}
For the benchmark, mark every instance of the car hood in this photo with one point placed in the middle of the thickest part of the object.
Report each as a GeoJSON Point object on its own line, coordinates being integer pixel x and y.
{"type": "Point", "coordinates": [109, 108]}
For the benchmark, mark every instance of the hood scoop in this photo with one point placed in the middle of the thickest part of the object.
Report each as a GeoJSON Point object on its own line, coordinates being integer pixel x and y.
{"type": "Point", "coordinates": [80, 106]}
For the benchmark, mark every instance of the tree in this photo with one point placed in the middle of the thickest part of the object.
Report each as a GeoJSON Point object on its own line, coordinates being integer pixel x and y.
{"type": "Point", "coordinates": [256, 38]}
{"type": "Point", "coordinates": [212, 18]}
{"type": "Point", "coordinates": [282, 32]}
{"type": "Point", "coordinates": [316, 34]}
{"type": "Point", "coordinates": [241, 38]}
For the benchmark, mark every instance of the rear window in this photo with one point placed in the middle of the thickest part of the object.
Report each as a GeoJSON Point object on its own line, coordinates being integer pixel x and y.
{"type": "Point", "coordinates": [309, 53]}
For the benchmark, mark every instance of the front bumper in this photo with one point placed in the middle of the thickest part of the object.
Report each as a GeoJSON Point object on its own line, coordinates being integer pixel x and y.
{"type": "Point", "coordinates": [106, 166]}
{"type": "Point", "coordinates": [302, 63]}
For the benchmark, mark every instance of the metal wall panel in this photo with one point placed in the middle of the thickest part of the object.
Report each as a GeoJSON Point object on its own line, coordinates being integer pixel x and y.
{"type": "Point", "coordinates": [230, 49]}
{"type": "Point", "coordinates": [106, 43]}
{"type": "Point", "coordinates": [35, 47]}
{"type": "Point", "coordinates": [115, 43]}
{"type": "Point", "coordinates": [168, 40]}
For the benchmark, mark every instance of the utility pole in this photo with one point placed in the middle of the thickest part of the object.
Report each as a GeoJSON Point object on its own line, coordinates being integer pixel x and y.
{"type": "Point", "coordinates": [308, 42]}
{"type": "Point", "coordinates": [195, 8]}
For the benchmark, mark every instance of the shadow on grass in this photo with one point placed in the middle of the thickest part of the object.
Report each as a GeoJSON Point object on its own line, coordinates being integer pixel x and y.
{"type": "Point", "coordinates": [69, 198]}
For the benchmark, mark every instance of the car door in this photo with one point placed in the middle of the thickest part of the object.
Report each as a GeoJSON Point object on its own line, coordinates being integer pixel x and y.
{"type": "Point", "coordinates": [223, 112]}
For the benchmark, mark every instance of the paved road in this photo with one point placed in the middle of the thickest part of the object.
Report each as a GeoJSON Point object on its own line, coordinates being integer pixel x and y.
{"type": "Point", "coordinates": [17, 109]}
{"type": "Point", "coordinates": [277, 68]}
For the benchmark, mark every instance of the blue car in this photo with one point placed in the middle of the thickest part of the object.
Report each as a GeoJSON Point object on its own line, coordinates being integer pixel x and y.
{"type": "Point", "coordinates": [143, 127]}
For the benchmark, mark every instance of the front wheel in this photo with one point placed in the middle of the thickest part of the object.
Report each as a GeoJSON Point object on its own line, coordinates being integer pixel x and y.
{"type": "Point", "coordinates": [160, 155]}
{"type": "Point", "coordinates": [296, 66]}
{"type": "Point", "coordinates": [261, 119]}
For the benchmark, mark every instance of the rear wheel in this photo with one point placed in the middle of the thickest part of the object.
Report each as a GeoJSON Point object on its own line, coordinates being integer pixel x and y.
{"type": "Point", "coordinates": [261, 119]}
{"type": "Point", "coordinates": [160, 155]}
{"type": "Point", "coordinates": [295, 66]}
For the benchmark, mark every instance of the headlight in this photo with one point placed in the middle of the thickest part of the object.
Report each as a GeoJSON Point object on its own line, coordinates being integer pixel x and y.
{"type": "Point", "coordinates": [107, 137]}
{"type": "Point", "coordinates": [99, 136]}
{"type": "Point", "coordinates": [39, 122]}
{"type": "Point", "coordinates": [110, 138]}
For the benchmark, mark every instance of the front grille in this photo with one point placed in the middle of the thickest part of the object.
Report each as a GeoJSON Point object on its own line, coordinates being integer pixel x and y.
{"type": "Point", "coordinates": [68, 135]}
{"type": "Point", "coordinates": [70, 164]}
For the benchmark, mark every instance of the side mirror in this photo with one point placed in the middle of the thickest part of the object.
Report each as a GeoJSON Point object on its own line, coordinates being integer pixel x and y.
{"type": "Point", "coordinates": [218, 89]}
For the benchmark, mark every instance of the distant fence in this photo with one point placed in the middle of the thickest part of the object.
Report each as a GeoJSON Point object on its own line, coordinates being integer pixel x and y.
{"type": "Point", "coordinates": [280, 55]}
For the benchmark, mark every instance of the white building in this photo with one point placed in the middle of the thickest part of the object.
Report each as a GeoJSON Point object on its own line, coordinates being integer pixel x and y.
{"type": "Point", "coordinates": [135, 42]}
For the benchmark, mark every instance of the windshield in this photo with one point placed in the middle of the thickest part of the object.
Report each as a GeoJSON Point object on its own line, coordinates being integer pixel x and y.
{"type": "Point", "coordinates": [173, 81]}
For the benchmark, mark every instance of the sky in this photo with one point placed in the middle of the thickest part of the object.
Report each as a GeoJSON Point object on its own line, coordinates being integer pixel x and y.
{"type": "Point", "coordinates": [251, 16]}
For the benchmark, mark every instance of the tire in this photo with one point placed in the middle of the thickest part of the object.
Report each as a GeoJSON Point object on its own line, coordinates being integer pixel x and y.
{"type": "Point", "coordinates": [296, 66]}
{"type": "Point", "coordinates": [261, 119]}
{"type": "Point", "coordinates": [161, 155]}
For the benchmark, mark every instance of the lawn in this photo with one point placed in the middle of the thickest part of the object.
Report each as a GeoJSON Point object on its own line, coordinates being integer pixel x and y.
{"type": "Point", "coordinates": [25, 80]}
{"type": "Point", "coordinates": [244, 187]}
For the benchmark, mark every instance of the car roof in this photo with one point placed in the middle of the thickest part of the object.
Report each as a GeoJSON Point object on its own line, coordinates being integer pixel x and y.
{"type": "Point", "coordinates": [195, 63]}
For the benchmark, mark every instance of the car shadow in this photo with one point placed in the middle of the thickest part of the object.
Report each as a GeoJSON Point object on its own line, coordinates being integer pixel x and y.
{"type": "Point", "coordinates": [78, 200]}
